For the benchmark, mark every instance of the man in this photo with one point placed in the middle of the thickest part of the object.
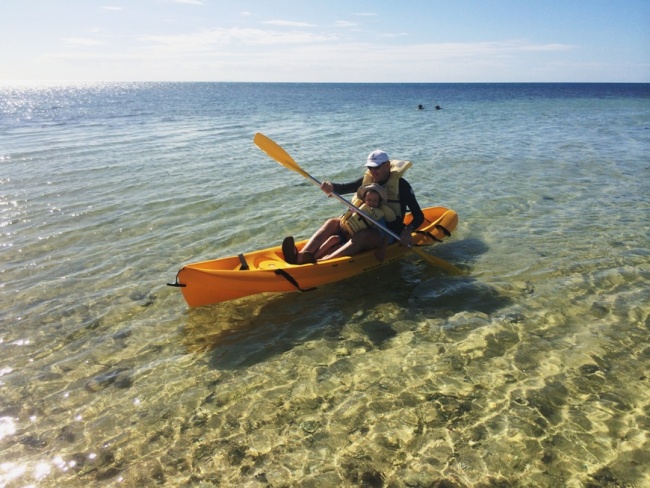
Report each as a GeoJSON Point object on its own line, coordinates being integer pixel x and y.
{"type": "Point", "coordinates": [388, 174]}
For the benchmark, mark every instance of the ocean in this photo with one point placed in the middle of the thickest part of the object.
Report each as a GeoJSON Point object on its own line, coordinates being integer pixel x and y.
{"type": "Point", "coordinates": [532, 370]}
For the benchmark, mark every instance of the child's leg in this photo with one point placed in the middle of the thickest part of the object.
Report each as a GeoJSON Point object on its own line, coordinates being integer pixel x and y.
{"type": "Point", "coordinates": [328, 246]}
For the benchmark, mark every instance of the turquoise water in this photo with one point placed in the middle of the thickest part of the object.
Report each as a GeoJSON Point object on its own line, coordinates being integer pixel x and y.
{"type": "Point", "coordinates": [530, 371]}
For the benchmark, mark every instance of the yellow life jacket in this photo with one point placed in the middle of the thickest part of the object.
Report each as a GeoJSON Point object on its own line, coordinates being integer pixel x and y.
{"type": "Point", "coordinates": [397, 170]}
{"type": "Point", "coordinates": [352, 223]}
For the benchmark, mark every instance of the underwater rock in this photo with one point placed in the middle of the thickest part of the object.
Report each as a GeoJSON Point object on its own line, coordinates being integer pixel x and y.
{"type": "Point", "coordinates": [237, 454]}
{"type": "Point", "coordinates": [122, 334]}
{"type": "Point", "coordinates": [603, 477]}
{"type": "Point", "coordinates": [145, 297]}
{"type": "Point", "coordinates": [362, 473]}
{"type": "Point", "coordinates": [499, 343]}
{"type": "Point", "coordinates": [77, 461]}
{"type": "Point", "coordinates": [106, 474]}
{"type": "Point", "coordinates": [33, 442]}
{"type": "Point", "coordinates": [310, 426]}
{"type": "Point", "coordinates": [372, 479]}
{"type": "Point", "coordinates": [445, 484]}
{"type": "Point", "coordinates": [514, 318]}
{"type": "Point", "coordinates": [123, 382]}
{"type": "Point", "coordinates": [599, 309]}
{"type": "Point", "coordinates": [105, 380]}
{"type": "Point", "coordinates": [549, 401]}
{"type": "Point", "coordinates": [530, 289]}
{"type": "Point", "coordinates": [589, 368]}
{"type": "Point", "coordinates": [66, 434]}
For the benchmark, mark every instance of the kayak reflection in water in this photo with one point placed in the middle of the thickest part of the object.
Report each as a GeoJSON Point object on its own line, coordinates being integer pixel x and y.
{"type": "Point", "coordinates": [399, 198]}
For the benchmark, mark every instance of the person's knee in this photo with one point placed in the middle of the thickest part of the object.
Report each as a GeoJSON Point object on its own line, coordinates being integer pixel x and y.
{"type": "Point", "coordinates": [332, 225]}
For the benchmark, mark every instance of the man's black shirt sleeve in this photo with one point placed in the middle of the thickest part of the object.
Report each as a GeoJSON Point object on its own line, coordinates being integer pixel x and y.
{"type": "Point", "coordinates": [345, 188]}
{"type": "Point", "coordinates": [408, 201]}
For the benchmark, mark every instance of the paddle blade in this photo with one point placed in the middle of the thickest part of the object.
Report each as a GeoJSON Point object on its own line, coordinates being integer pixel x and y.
{"type": "Point", "coordinates": [276, 152]}
{"type": "Point", "coordinates": [440, 263]}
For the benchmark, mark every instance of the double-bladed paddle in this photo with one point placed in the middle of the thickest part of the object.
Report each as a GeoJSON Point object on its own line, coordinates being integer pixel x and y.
{"type": "Point", "coordinates": [271, 148]}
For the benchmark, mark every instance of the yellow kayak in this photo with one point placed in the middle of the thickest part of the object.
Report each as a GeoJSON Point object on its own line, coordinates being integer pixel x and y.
{"type": "Point", "coordinates": [263, 271]}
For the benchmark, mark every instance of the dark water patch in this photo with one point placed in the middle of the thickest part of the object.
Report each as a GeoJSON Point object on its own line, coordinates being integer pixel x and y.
{"type": "Point", "coordinates": [451, 409]}
{"type": "Point", "coordinates": [378, 332]}
{"type": "Point", "coordinates": [499, 343]}
{"type": "Point", "coordinates": [550, 401]}
{"type": "Point", "coordinates": [628, 471]}
{"type": "Point", "coordinates": [524, 359]}
{"type": "Point", "coordinates": [465, 251]}
{"type": "Point", "coordinates": [462, 295]}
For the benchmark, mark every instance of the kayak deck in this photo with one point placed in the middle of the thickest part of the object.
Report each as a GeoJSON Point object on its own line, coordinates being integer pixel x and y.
{"type": "Point", "coordinates": [262, 271]}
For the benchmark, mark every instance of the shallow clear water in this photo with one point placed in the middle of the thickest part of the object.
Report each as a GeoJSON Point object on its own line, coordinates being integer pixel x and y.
{"type": "Point", "coordinates": [530, 371]}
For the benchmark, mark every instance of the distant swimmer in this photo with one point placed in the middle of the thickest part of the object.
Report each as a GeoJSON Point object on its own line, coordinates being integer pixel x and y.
{"type": "Point", "coordinates": [420, 107]}
{"type": "Point", "coordinates": [438, 107]}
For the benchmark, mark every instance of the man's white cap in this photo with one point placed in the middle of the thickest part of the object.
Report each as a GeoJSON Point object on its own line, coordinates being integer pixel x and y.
{"type": "Point", "coordinates": [376, 158]}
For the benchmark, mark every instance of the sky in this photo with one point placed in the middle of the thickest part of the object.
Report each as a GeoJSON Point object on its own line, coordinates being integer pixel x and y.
{"type": "Point", "coordinates": [424, 41]}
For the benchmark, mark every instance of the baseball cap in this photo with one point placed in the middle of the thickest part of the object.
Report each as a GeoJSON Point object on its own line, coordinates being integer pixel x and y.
{"type": "Point", "coordinates": [376, 158]}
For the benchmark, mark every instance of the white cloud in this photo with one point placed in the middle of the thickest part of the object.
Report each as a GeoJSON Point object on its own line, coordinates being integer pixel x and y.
{"type": "Point", "coordinates": [207, 41]}
{"type": "Point", "coordinates": [344, 23]}
{"type": "Point", "coordinates": [188, 2]}
{"type": "Point", "coordinates": [240, 54]}
{"type": "Point", "coordinates": [381, 62]}
{"type": "Point", "coordinates": [287, 23]}
{"type": "Point", "coordinates": [111, 7]}
{"type": "Point", "coordinates": [389, 35]}
{"type": "Point", "coordinates": [82, 41]}
{"type": "Point", "coordinates": [494, 48]}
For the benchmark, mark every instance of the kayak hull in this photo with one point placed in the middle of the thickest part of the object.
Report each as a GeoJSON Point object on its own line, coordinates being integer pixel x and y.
{"type": "Point", "coordinates": [264, 271]}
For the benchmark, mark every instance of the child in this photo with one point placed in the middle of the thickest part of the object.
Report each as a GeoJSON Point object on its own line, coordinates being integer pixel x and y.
{"type": "Point", "coordinates": [371, 199]}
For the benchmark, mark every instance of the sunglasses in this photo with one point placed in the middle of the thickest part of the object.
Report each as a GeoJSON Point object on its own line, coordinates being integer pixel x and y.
{"type": "Point", "coordinates": [376, 167]}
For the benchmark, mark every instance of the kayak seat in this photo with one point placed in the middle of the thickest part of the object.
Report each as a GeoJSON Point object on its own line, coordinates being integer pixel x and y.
{"type": "Point", "coordinates": [269, 262]}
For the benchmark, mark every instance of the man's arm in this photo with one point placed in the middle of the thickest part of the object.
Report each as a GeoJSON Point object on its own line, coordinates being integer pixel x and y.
{"type": "Point", "coordinates": [350, 187]}
{"type": "Point", "coordinates": [408, 200]}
